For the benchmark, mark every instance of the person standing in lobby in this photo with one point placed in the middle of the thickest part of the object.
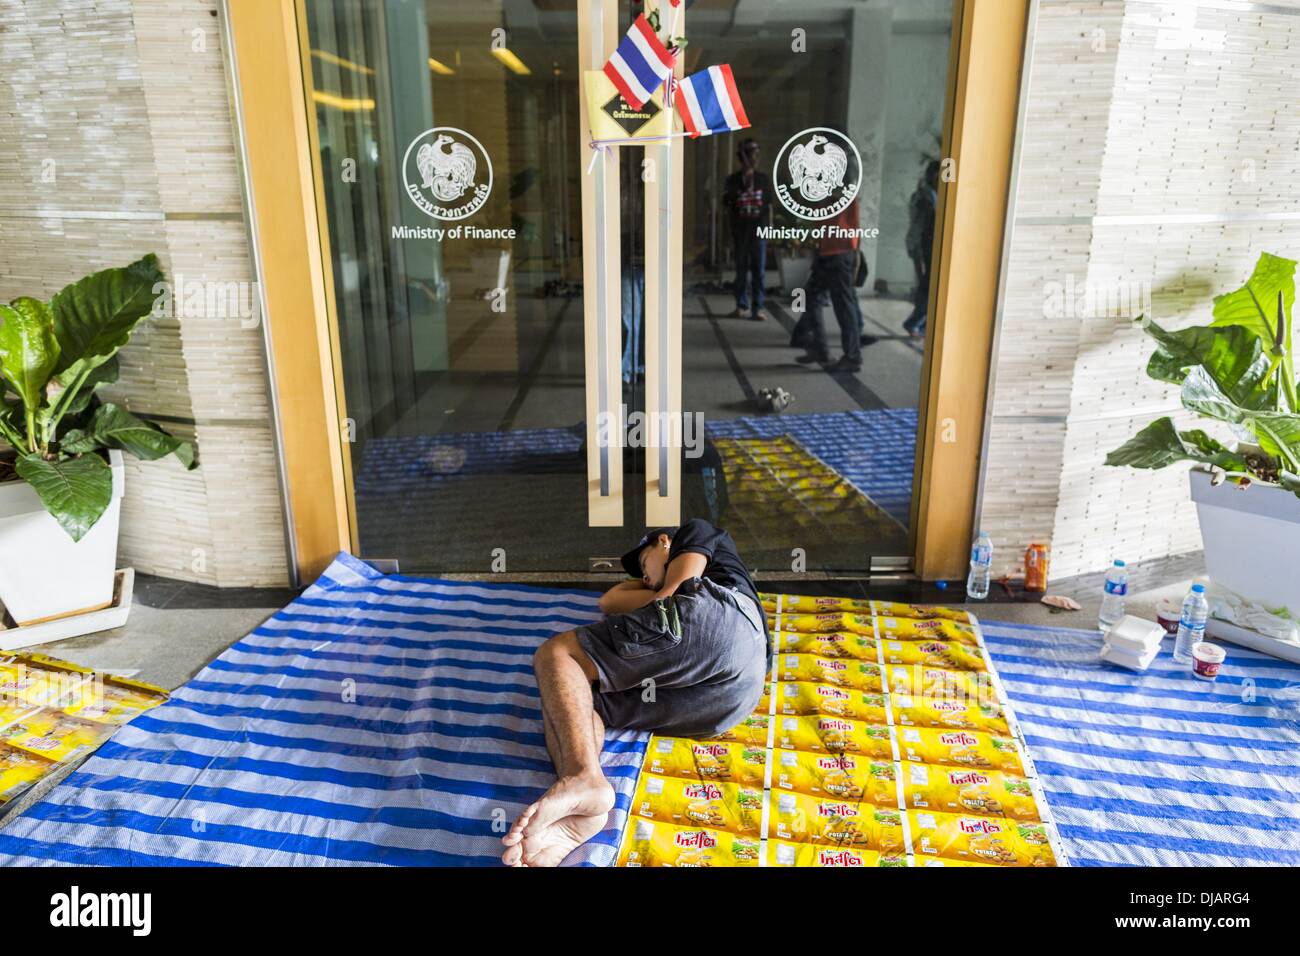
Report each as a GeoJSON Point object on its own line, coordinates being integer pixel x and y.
{"type": "Point", "coordinates": [747, 196]}
{"type": "Point", "coordinates": [833, 270]}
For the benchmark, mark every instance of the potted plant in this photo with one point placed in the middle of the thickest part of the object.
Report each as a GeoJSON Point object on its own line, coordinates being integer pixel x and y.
{"type": "Point", "coordinates": [61, 474]}
{"type": "Point", "coordinates": [1238, 370]}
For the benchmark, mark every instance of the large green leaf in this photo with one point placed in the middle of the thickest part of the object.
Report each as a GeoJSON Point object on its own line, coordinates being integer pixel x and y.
{"type": "Point", "coordinates": [76, 491]}
{"type": "Point", "coordinates": [1233, 356]}
{"type": "Point", "coordinates": [95, 316]}
{"type": "Point", "coordinates": [29, 351]}
{"type": "Point", "coordinates": [75, 405]}
{"type": "Point", "coordinates": [1254, 306]}
{"type": "Point", "coordinates": [115, 427]}
{"type": "Point", "coordinates": [1161, 444]}
{"type": "Point", "coordinates": [1278, 433]}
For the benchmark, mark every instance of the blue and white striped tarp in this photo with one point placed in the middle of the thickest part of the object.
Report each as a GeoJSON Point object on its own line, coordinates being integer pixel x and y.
{"type": "Point", "coordinates": [375, 720]}
{"type": "Point", "coordinates": [1158, 768]}
{"type": "Point", "coordinates": [394, 720]}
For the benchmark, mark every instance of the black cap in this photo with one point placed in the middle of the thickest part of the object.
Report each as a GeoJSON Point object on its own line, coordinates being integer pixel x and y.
{"type": "Point", "coordinates": [631, 560]}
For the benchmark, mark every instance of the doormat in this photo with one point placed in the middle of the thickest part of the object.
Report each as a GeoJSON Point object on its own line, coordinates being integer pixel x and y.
{"type": "Point", "coordinates": [884, 738]}
{"type": "Point", "coordinates": [53, 713]}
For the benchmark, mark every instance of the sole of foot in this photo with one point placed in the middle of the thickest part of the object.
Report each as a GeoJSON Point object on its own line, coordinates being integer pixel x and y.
{"type": "Point", "coordinates": [566, 816]}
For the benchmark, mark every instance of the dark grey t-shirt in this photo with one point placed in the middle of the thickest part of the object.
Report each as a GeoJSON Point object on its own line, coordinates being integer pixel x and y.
{"type": "Point", "coordinates": [724, 566]}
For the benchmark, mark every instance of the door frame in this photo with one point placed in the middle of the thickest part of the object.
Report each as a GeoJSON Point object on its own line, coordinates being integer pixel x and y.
{"type": "Point", "coordinates": [266, 50]}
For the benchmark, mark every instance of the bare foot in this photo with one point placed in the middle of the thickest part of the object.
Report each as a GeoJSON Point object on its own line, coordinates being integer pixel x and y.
{"type": "Point", "coordinates": [569, 814]}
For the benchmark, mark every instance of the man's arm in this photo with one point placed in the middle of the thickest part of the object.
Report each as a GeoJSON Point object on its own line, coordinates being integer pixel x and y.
{"type": "Point", "coordinates": [681, 569]}
{"type": "Point", "coordinates": [624, 597]}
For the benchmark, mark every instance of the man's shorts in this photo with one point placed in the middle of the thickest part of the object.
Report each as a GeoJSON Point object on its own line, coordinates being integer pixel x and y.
{"type": "Point", "coordinates": [694, 681]}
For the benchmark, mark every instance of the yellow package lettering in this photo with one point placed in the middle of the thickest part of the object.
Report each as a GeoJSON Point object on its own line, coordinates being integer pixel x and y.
{"type": "Point", "coordinates": [959, 748]}
{"type": "Point", "coordinates": [838, 776]}
{"type": "Point", "coordinates": [919, 611]}
{"type": "Point", "coordinates": [718, 760]}
{"type": "Point", "coordinates": [946, 654]}
{"type": "Point", "coordinates": [935, 629]}
{"type": "Point", "coordinates": [980, 839]}
{"type": "Point", "coordinates": [862, 675]}
{"type": "Point", "coordinates": [797, 818]}
{"type": "Point", "coordinates": [986, 793]}
{"type": "Point", "coordinates": [651, 843]}
{"type": "Point", "coordinates": [824, 734]}
{"type": "Point", "coordinates": [830, 644]}
{"type": "Point", "coordinates": [700, 803]}
{"type": "Point", "coordinates": [799, 697]}
{"type": "Point", "coordinates": [937, 712]}
{"type": "Point", "coordinates": [785, 853]}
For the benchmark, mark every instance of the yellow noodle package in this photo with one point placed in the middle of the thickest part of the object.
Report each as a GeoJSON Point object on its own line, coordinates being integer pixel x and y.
{"type": "Point", "coordinates": [935, 629]}
{"type": "Point", "coordinates": [23, 681]}
{"type": "Point", "coordinates": [919, 611]}
{"type": "Point", "coordinates": [53, 735]}
{"type": "Point", "coordinates": [946, 654]}
{"type": "Point", "coordinates": [838, 776]}
{"type": "Point", "coordinates": [986, 793]}
{"type": "Point", "coordinates": [720, 760]}
{"type": "Point", "coordinates": [824, 734]}
{"type": "Point", "coordinates": [936, 712]}
{"type": "Point", "coordinates": [651, 843]}
{"type": "Point", "coordinates": [18, 771]}
{"type": "Point", "coordinates": [802, 819]}
{"type": "Point", "coordinates": [784, 853]}
{"type": "Point", "coordinates": [113, 703]}
{"type": "Point", "coordinates": [824, 623]}
{"type": "Point", "coordinates": [800, 697]}
{"type": "Point", "coordinates": [828, 644]}
{"type": "Point", "coordinates": [699, 803]}
{"type": "Point", "coordinates": [751, 730]}
{"type": "Point", "coordinates": [979, 839]}
{"type": "Point", "coordinates": [920, 680]}
{"type": "Point", "coordinates": [844, 672]}
{"type": "Point", "coordinates": [807, 604]}
{"type": "Point", "coordinates": [959, 748]}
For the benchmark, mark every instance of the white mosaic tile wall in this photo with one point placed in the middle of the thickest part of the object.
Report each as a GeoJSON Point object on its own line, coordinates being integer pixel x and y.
{"type": "Point", "coordinates": [1146, 111]}
{"type": "Point", "coordinates": [125, 101]}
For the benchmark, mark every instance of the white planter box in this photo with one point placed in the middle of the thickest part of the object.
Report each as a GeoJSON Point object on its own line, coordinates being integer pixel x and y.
{"type": "Point", "coordinates": [43, 572]}
{"type": "Point", "coordinates": [1252, 540]}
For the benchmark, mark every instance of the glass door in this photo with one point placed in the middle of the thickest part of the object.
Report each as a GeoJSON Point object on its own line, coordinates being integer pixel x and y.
{"type": "Point", "coordinates": [824, 209]}
{"type": "Point", "coordinates": [450, 164]}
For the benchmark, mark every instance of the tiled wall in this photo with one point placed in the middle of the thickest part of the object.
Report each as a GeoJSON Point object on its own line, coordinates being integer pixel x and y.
{"type": "Point", "coordinates": [126, 101]}
{"type": "Point", "coordinates": [1145, 111]}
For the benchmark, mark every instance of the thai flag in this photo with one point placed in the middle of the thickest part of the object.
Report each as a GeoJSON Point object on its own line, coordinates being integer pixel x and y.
{"type": "Point", "coordinates": [709, 103]}
{"type": "Point", "coordinates": [639, 64]}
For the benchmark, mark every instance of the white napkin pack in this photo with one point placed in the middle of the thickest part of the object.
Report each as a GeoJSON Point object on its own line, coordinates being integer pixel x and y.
{"type": "Point", "coordinates": [1133, 643]}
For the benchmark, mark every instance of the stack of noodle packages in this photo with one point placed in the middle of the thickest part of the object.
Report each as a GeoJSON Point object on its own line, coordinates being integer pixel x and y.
{"type": "Point", "coordinates": [883, 738]}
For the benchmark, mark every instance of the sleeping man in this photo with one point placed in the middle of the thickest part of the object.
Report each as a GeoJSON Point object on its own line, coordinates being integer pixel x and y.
{"type": "Point", "coordinates": [681, 651]}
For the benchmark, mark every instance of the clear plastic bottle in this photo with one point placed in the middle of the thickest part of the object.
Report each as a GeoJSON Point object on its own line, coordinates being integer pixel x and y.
{"type": "Point", "coordinates": [1191, 624]}
{"type": "Point", "coordinates": [981, 563]}
{"type": "Point", "coordinates": [1112, 601]}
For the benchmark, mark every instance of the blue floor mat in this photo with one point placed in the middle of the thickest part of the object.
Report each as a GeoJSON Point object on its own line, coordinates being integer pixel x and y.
{"type": "Point", "coordinates": [1157, 768]}
{"type": "Point", "coordinates": [375, 720]}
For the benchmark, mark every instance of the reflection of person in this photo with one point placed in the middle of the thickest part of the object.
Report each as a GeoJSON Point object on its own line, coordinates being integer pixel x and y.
{"type": "Point", "coordinates": [681, 651]}
{"type": "Point", "coordinates": [633, 308]}
{"type": "Point", "coordinates": [832, 278]}
{"type": "Point", "coordinates": [747, 195]}
{"type": "Point", "coordinates": [920, 244]}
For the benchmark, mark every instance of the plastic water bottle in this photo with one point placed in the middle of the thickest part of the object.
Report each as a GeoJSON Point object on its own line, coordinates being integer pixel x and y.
{"type": "Point", "coordinates": [1112, 602]}
{"type": "Point", "coordinates": [981, 561]}
{"type": "Point", "coordinates": [1191, 625]}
